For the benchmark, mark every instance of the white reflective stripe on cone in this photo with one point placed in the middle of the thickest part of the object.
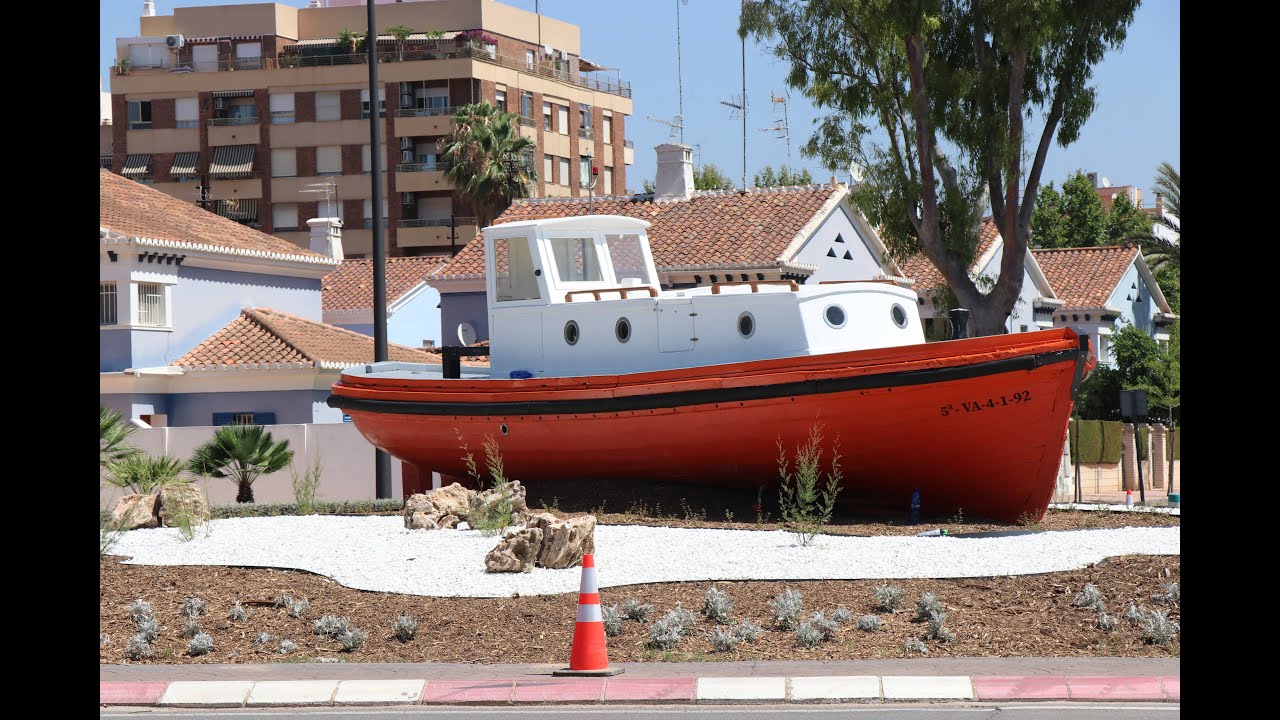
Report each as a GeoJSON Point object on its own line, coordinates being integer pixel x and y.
{"type": "Point", "coordinates": [588, 580]}
{"type": "Point", "coordinates": [589, 613]}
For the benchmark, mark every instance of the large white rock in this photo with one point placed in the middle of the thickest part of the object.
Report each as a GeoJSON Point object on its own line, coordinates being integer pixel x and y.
{"type": "Point", "coordinates": [564, 542]}
{"type": "Point", "coordinates": [425, 510]}
{"type": "Point", "coordinates": [135, 511]}
{"type": "Point", "coordinates": [516, 552]}
{"type": "Point", "coordinates": [183, 498]}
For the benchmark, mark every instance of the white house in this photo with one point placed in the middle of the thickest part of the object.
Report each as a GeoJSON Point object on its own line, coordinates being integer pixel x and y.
{"type": "Point", "coordinates": [413, 307]}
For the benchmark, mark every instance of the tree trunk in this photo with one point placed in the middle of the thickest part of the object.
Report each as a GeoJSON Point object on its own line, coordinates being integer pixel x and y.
{"type": "Point", "coordinates": [245, 495]}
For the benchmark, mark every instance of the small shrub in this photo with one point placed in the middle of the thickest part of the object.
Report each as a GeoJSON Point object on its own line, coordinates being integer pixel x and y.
{"type": "Point", "coordinates": [1168, 595]}
{"type": "Point", "coordinates": [1133, 614]}
{"type": "Point", "coordinates": [717, 605]}
{"type": "Point", "coordinates": [914, 645]}
{"type": "Point", "coordinates": [806, 507]}
{"type": "Point", "coordinates": [723, 641]}
{"type": "Point", "coordinates": [1090, 598]}
{"type": "Point", "coordinates": [295, 607]}
{"type": "Point", "coordinates": [926, 605]}
{"type": "Point", "coordinates": [1106, 622]}
{"type": "Point", "coordinates": [140, 610]}
{"type": "Point", "coordinates": [823, 624]}
{"type": "Point", "coordinates": [103, 640]}
{"type": "Point", "coordinates": [665, 633]}
{"type": "Point", "coordinates": [351, 640]}
{"type": "Point", "coordinates": [186, 524]}
{"type": "Point", "coordinates": [201, 644]}
{"type": "Point", "coordinates": [237, 613]}
{"type": "Point", "coordinates": [1157, 628]}
{"type": "Point", "coordinates": [690, 514]}
{"type": "Point", "coordinates": [305, 486]}
{"type": "Point", "coordinates": [613, 620]}
{"type": "Point", "coordinates": [145, 474]}
{"type": "Point", "coordinates": [489, 518]}
{"type": "Point", "coordinates": [807, 636]}
{"type": "Point", "coordinates": [138, 648]}
{"type": "Point", "coordinates": [747, 631]}
{"type": "Point", "coordinates": [321, 507]}
{"type": "Point", "coordinates": [635, 610]}
{"type": "Point", "coordinates": [841, 615]}
{"type": "Point", "coordinates": [889, 598]}
{"type": "Point", "coordinates": [787, 607]}
{"type": "Point", "coordinates": [406, 628]}
{"type": "Point", "coordinates": [193, 607]}
{"type": "Point", "coordinates": [936, 630]}
{"type": "Point", "coordinates": [331, 626]}
{"type": "Point", "coordinates": [191, 628]}
{"type": "Point", "coordinates": [262, 638]}
{"type": "Point", "coordinates": [149, 629]}
{"type": "Point", "coordinates": [870, 623]}
{"type": "Point", "coordinates": [1028, 521]}
{"type": "Point", "coordinates": [684, 616]}
{"type": "Point", "coordinates": [286, 647]}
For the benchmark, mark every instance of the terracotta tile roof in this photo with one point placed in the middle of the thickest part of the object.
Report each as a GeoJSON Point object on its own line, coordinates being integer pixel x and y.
{"type": "Point", "coordinates": [136, 211]}
{"type": "Point", "coordinates": [723, 229]}
{"type": "Point", "coordinates": [350, 287]}
{"type": "Point", "coordinates": [928, 277]}
{"type": "Point", "coordinates": [1085, 277]}
{"type": "Point", "coordinates": [260, 336]}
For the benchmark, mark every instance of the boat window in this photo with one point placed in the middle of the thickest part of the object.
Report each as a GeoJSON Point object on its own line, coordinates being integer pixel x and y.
{"type": "Point", "coordinates": [571, 332]}
{"type": "Point", "coordinates": [835, 316]}
{"type": "Point", "coordinates": [576, 259]}
{"type": "Point", "coordinates": [899, 315]}
{"type": "Point", "coordinates": [746, 324]}
{"type": "Point", "coordinates": [626, 254]}
{"type": "Point", "coordinates": [513, 268]}
{"type": "Point", "coordinates": [622, 329]}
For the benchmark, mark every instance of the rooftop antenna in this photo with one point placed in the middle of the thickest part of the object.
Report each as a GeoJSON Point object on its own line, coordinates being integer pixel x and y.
{"type": "Point", "coordinates": [679, 71]}
{"type": "Point", "coordinates": [676, 125]}
{"type": "Point", "coordinates": [738, 105]}
{"type": "Point", "coordinates": [330, 189]}
{"type": "Point", "coordinates": [781, 126]}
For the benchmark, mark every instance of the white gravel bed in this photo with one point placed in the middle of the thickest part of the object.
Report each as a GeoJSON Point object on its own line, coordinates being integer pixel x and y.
{"type": "Point", "coordinates": [379, 554]}
{"type": "Point", "coordinates": [1116, 508]}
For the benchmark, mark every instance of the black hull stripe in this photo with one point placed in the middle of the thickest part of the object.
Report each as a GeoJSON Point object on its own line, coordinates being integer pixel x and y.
{"type": "Point", "coordinates": [706, 397]}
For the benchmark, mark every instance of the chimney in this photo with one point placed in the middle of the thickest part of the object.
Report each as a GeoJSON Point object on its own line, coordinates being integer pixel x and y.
{"type": "Point", "coordinates": [326, 237]}
{"type": "Point", "coordinates": [148, 8]}
{"type": "Point", "coordinates": [1160, 203]}
{"type": "Point", "coordinates": [675, 172]}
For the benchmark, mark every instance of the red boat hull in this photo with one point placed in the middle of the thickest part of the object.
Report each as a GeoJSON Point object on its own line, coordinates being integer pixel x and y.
{"type": "Point", "coordinates": [976, 424]}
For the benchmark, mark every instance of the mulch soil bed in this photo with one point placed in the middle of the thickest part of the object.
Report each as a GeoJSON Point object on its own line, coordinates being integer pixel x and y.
{"type": "Point", "coordinates": [1000, 616]}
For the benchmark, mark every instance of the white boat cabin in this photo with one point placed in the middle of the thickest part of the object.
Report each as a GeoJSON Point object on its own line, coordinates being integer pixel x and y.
{"type": "Point", "coordinates": [580, 296]}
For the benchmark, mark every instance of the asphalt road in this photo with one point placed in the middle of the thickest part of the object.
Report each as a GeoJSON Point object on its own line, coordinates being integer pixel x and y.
{"type": "Point", "coordinates": [1013, 711]}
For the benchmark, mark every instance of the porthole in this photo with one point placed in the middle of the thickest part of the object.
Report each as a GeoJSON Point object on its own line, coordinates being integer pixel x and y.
{"type": "Point", "coordinates": [899, 315]}
{"type": "Point", "coordinates": [746, 324]}
{"type": "Point", "coordinates": [622, 329]}
{"type": "Point", "coordinates": [835, 317]}
{"type": "Point", "coordinates": [571, 332]}
{"type": "Point", "coordinates": [503, 428]}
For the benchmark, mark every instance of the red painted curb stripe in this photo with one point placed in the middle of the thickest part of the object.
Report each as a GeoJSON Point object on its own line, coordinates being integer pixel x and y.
{"type": "Point", "coordinates": [468, 691]}
{"type": "Point", "coordinates": [131, 693]}
{"type": "Point", "coordinates": [623, 689]}
{"type": "Point", "coordinates": [1018, 687]}
{"type": "Point", "coordinates": [1115, 688]}
{"type": "Point", "coordinates": [1172, 686]}
{"type": "Point", "coordinates": [559, 690]}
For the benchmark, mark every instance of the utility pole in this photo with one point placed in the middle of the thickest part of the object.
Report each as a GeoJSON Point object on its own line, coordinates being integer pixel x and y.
{"type": "Point", "coordinates": [382, 461]}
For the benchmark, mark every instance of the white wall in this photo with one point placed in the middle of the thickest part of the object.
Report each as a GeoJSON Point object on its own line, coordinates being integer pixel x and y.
{"type": "Point", "coordinates": [346, 462]}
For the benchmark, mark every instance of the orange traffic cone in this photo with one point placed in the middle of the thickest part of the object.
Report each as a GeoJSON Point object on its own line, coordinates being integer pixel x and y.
{"type": "Point", "coordinates": [589, 656]}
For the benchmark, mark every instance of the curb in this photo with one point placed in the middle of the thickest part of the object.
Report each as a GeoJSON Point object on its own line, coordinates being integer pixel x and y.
{"type": "Point", "coordinates": [682, 690]}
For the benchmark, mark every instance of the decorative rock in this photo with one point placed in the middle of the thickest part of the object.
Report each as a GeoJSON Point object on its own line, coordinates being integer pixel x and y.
{"type": "Point", "coordinates": [182, 498]}
{"type": "Point", "coordinates": [564, 541]}
{"type": "Point", "coordinates": [516, 552]}
{"type": "Point", "coordinates": [135, 511]}
{"type": "Point", "coordinates": [487, 499]}
{"type": "Point", "coordinates": [425, 510]}
{"type": "Point", "coordinates": [447, 521]}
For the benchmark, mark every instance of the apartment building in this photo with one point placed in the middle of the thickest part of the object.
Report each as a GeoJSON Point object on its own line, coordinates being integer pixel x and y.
{"type": "Point", "coordinates": [268, 105]}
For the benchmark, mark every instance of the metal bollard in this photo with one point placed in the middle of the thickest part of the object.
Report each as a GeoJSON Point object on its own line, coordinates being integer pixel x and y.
{"type": "Point", "coordinates": [959, 324]}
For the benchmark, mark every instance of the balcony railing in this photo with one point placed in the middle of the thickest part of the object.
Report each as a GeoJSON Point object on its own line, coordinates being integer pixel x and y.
{"type": "Point", "coordinates": [281, 117]}
{"type": "Point", "coordinates": [186, 124]}
{"type": "Point", "coordinates": [426, 112]}
{"type": "Point", "coordinates": [420, 167]}
{"type": "Point", "coordinates": [458, 221]}
{"type": "Point", "coordinates": [527, 121]}
{"type": "Point", "coordinates": [585, 133]}
{"type": "Point", "coordinates": [238, 120]}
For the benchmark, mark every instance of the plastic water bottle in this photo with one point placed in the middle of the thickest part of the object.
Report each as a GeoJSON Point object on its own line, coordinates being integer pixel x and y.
{"type": "Point", "coordinates": [914, 518]}
{"type": "Point", "coordinates": [940, 532]}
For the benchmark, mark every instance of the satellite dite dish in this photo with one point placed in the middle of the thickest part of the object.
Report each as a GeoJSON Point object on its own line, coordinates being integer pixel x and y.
{"type": "Point", "coordinates": [466, 333]}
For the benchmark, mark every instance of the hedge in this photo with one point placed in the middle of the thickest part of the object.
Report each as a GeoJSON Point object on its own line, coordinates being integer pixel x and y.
{"type": "Point", "coordinates": [1100, 441]}
{"type": "Point", "coordinates": [339, 507]}
{"type": "Point", "coordinates": [1175, 443]}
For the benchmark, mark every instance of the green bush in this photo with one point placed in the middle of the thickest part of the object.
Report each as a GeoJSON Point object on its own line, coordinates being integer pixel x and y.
{"type": "Point", "coordinates": [1175, 443]}
{"type": "Point", "coordinates": [1111, 442]}
{"type": "Point", "coordinates": [321, 507]}
{"type": "Point", "coordinates": [1090, 440]}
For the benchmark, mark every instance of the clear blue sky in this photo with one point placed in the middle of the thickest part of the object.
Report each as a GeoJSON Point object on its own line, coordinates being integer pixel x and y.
{"type": "Point", "coordinates": [1135, 127]}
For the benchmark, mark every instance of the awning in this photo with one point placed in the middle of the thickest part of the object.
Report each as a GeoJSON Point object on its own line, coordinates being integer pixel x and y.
{"type": "Point", "coordinates": [237, 209]}
{"type": "Point", "coordinates": [185, 164]}
{"type": "Point", "coordinates": [233, 93]}
{"type": "Point", "coordinates": [232, 161]}
{"type": "Point", "coordinates": [136, 165]}
{"type": "Point", "coordinates": [327, 42]}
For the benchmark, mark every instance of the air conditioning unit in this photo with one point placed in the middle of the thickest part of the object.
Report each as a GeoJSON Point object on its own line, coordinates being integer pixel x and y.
{"type": "Point", "coordinates": [406, 156]}
{"type": "Point", "coordinates": [406, 142]}
{"type": "Point", "coordinates": [173, 42]}
{"type": "Point", "coordinates": [219, 103]}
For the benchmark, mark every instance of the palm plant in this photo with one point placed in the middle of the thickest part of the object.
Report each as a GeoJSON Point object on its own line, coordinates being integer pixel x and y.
{"type": "Point", "coordinates": [1162, 248]}
{"type": "Point", "coordinates": [349, 38]}
{"type": "Point", "coordinates": [113, 437]}
{"type": "Point", "coordinates": [144, 474]}
{"type": "Point", "coordinates": [400, 33]}
{"type": "Point", "coordinates": [241, 454]}
{"type": "Point", "coordinates": [486, 159]}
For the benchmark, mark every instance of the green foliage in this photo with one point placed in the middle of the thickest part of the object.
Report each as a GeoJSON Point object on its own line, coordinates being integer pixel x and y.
{"type": "Point", "coordinates": [108, 534]}
{"type": "Point", "coordinates": [1175, 442]}
{"type": "Point", "coordinates": [399, 32]}
{"type": "Point", "coordinates": [1163, 253]}
{"type": "Point", "coordinates": [1086, 440]}
{"type": "Point", "coordinates": [649, 187]}
{"type": "Point", "coordinates": [1144, 365]}
{"type": "Point", "coordinates": [785, 177]}
{"type": "Point", "coordinates": [805, 506]}
{"type": "Point", "coordinates": [1099, 397]}
{"type": "Point", "coordinates": [350, 39]}
{"type": "Point", "coordinates": [305, 487]}
{"type": "Point", "coordinates": [113, 437]}
{"type": "Point", "coordinates": [1125, 221]}
{"type": "Point", "coordinates": [146, 474]}
{"type": "Point", "coordinates": [335, 507]}
{"type": "Point", "coordinates": [487, 159]}
{"type": "Point", "coordinates": [241, 454]}
{"type": "Point", "coordinates": [931, 100]}
{"type": "Point", "coordinates": [490, 518]}
{"type": "Point", "coordinates": [709, 177]}
{"type": "Point", "coordinates": [1072, 219]}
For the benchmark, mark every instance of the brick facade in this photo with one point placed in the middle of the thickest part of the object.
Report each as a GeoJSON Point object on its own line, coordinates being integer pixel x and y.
{"type": "Point", "coordinates": [304, 107]}
{"type": "Point", "coordinates": [163, 114]}
{"type": "Point", "coordinates": [307, 163]}
{"type": "Point", "coordinates": [349, 101]}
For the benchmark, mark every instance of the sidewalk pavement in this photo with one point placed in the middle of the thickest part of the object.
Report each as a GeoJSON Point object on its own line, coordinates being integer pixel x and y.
{"type": "Point", "coordinates": [352, 684]}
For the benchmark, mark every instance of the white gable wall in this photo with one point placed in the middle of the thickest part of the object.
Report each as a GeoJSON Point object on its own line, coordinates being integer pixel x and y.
{"type": "Point", "coordinates": [1023, 309]}
{"type": "Point", "coordinates": [862, 263]}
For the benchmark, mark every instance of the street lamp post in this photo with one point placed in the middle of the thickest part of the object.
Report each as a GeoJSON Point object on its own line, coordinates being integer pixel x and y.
{"type": "Point", "coordinates": [382, 461]}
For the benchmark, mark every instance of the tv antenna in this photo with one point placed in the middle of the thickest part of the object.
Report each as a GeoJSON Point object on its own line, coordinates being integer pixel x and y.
{"type": "Point", "coordinates": [781, 126]}
{"type": "Point", "coordinates": [679, 70]}
{"type": "Point", "coordinates": [676, 125]}
{"type": "Point", "coordinates": [738, 105]}
{"type": "Point", "coordinates": [330, 189]}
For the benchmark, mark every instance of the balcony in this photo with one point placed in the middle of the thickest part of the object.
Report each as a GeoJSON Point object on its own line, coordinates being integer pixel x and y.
{"type": "Point", "coordinates": [423, 122]}
{"type": "Point", "coordinates": [527, 121]}
{"type": "Point", "coordinates": [420, 177]}
{"type": "Point", "coordinates": [237, 120]}
{"type": "Point", "coordinates": [436, 232]}
{"type": "Point", "coordinates": [585, 133]}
